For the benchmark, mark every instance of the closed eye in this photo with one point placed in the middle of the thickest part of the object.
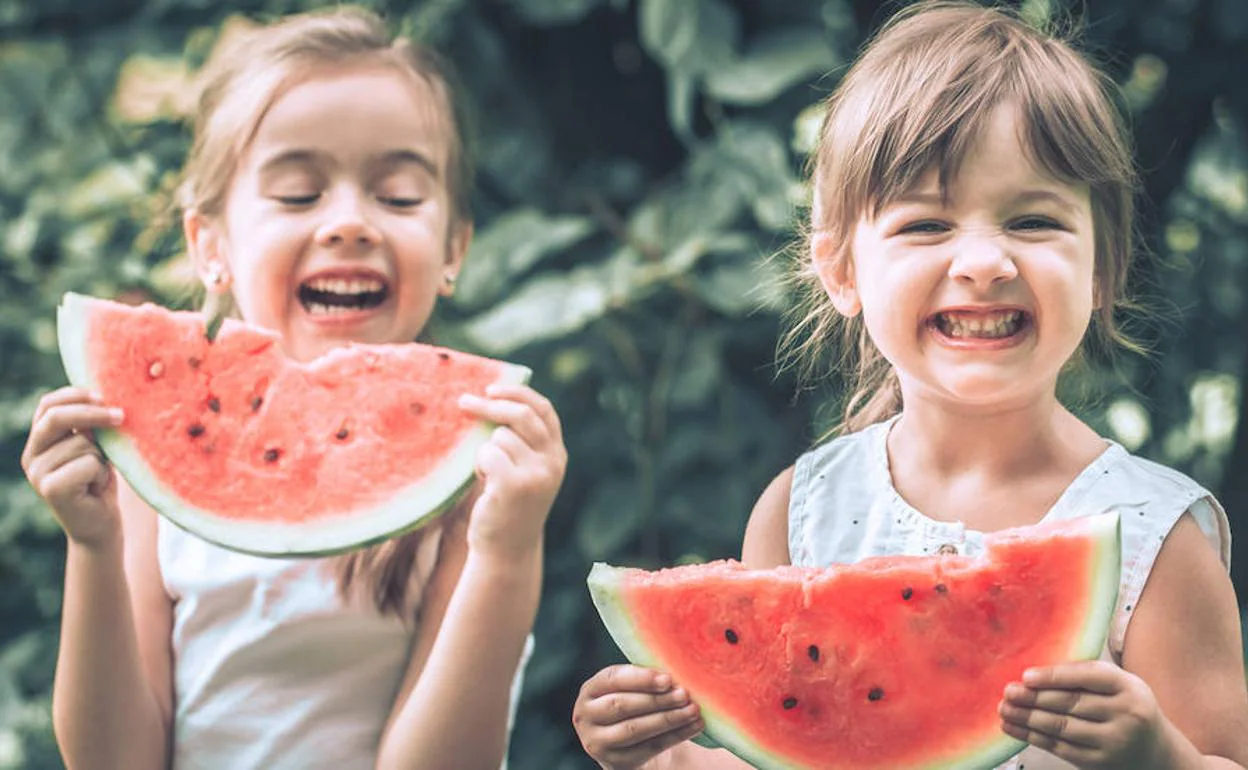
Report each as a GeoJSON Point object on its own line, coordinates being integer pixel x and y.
{"type": "Point", "coordinates": [924, 227]}
{"type": "Point", "coordinates": [399, 202]}
{"type": "Point", "coordinates": [297, 200]}
{"type": "Point", "coordinates": [1034, 223]}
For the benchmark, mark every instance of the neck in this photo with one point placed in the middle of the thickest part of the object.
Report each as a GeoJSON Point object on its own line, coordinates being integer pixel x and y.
{"type": "Point", "coordinates": [999, 442]}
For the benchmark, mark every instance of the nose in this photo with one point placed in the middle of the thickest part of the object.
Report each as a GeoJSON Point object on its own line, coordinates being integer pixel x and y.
{"type": "Point", "coordinates": [981, 259]}
{"type": "Point", "coordinates": [347, 224]}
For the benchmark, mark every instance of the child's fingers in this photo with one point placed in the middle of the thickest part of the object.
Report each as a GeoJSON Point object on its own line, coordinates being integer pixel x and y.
{"type": "Point", "coordinates": [640, 753]}
{"type": "Point", "coordinates": [71, 479]}
{"type": "Point", "coordinates": [1095, 676]}
{"type": "Point", "coordinates": [1050, 728]}
{"type": "Point", "coordinates": [1074, 753]}
{"type": "Point", "coordinates": [1077, 703]}
{"type": "Point", "coordinates": [638, 730]}
{"type": "Point", "coordinates": [60, 453]}
{"type": "Point", "coordinates": [520, 417]}
{"type": "Point", "coordinates": [615, 707]}
{"type": "Point", "coordinates": [626, 678]}
{"type": "Point", "coordinates": [69, 395]}
{"type": "Point", "coordinates": [65, 420]}
{"type": "Point", "coordinates": [539, 403]}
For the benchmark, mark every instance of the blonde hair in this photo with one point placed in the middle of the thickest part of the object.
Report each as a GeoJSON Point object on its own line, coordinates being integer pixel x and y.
{"type": "Point", "coordinates": [917, 99]}
{"type": "Point", "coordinates": [240, 81]}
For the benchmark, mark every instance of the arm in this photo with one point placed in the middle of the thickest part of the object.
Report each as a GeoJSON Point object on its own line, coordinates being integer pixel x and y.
{"type": "Point", "coordinates": [1184, 643]}
{"type": "Point", "coordinates": [112, 700]}
{"type": "Point", "coordinates": [482, 597]}
{"type": "Point", "coordinates": [112, 695]}
{"type": "Point", "coordinates": [1180, 700]}
{"type": "Point", "coordinates": [473, 622]}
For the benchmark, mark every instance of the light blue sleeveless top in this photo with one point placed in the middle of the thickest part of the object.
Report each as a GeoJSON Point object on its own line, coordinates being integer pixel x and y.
{"type": "Point", "coordinates": [843, 507]}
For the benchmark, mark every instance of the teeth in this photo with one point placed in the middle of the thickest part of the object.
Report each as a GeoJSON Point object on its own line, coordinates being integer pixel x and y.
{"type": "Point", "coordinates": [991, 326]}
{"type": "Point", "coordinates": [345, 285]}
{"type": "Point", "coordinates": [316, 308]}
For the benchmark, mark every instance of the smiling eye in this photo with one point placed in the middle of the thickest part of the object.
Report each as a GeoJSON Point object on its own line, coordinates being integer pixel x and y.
{"type": "Point", "coordinates": [297, 200]}
{"type": "Point", "coordinates": [925, 227]}
{"type": "Point", "coordinates": [399, 201]}
{"type": "Point", "coordinates": [1034, 223]}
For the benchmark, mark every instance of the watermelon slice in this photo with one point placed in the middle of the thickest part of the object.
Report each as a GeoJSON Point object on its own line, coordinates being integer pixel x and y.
{"type": "Point", "coordinates": [248, 449]}
{"type": "Point", "coordinates": [894, 662]}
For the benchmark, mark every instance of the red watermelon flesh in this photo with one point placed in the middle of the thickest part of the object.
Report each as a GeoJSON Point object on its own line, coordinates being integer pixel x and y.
{"type": "Point", "coordinates": [895, 662]}
{"type": "Point", "coordinates": [267, 455]}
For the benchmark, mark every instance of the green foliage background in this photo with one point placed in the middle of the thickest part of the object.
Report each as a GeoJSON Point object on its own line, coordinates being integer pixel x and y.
{"type": "Point", "coordinates": [639, 159]}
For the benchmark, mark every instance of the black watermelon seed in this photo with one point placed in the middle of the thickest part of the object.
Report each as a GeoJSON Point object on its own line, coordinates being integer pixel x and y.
{"type": "Point", "coordinates": [730, 635]}
{"type": "Point", "coordinates": [271, 455]}
{"type": "Point", "coordinates": [444, 356]}
{"type": "Point", "coordinates": [194, 362]}
{"type": "Point", "coordinates": [875, 694]}
{"type": "Point", "coordinates": [417, 407]}
{"type": "Point", "coordinates": [813, 652]}
{"type": "Point", "coordinates": [195, 431]}
{"type": "Point", "coordinates": [789, 702]}
{"type": "Point", "coordinates": [907, 592]}
{"type": "Point", "coordinates": [342, 434]}
{"type": "Point", "coordinates": [214, 404]}
{"type": "Point", "coordinates": [256, 401]}
{"type": "Point", "coordinates": [940, 588]}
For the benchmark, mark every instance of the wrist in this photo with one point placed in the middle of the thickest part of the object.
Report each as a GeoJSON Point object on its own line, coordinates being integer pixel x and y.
{"type": "Point", "coordinates": [1173, 751]}
{"type": "Point", "coordinates": [505, 558]}
{"type": "Point", "coordinates": [106, 544]}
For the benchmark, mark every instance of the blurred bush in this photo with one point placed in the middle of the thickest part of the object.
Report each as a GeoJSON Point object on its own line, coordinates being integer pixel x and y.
{"type": "Point", "coordinates": [639, 163]}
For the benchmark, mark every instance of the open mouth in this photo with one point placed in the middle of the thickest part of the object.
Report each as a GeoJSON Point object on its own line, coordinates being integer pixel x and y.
{"type": "Point", "coordinates": [335, 295]}
{"type": "Point", "coordinates": [991, 325]}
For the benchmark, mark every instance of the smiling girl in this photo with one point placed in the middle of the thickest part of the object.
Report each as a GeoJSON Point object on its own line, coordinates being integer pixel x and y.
{"type": "Point", "coordinates": [972, 230]}
{"type": "Point", "coordinates": [326, 195]}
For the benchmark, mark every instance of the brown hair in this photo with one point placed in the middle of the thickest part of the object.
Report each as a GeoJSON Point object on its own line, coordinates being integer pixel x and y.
{"type": "Point", "coordinates": [917, 99]}
{"type": "Point", "coordinates": [245, 74]}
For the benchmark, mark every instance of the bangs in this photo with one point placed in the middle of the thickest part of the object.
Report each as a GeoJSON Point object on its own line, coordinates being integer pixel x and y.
{"type": "Point", "coordinates": [920, 99]}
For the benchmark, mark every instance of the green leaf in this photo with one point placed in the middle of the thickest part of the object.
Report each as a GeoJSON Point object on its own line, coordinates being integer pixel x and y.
{"type": "Point", "coordinates": [742, 285]}
{"type": "Point", "coordinates": [554, 305]}
{"type": "Point", "coordinates": [775, 61]}
{"type": "Point", "coordinates": [668, 28]}
{"type": "Point", "coordinates": [511, 246]}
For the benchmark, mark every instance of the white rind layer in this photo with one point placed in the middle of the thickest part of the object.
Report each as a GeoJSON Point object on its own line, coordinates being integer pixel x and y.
{"type": "Point", "coordinates": [406, 510]}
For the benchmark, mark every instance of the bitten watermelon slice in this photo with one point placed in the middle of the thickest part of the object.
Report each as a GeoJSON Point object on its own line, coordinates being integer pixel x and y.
{"type": "Point", "coordinates": [894, 662]}
{"type": "Point", "coordinates": [261, 454]}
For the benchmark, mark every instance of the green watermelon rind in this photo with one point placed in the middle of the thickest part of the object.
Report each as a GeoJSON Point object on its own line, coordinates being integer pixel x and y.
{"type": "Point", "coordinates": [606, 589]}
{"type": "Point", "coordinates": [434, 495]}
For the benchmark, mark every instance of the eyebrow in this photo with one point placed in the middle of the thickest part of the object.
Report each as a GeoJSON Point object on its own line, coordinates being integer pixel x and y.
{"type": "Point", "coordinates": [298, 157]}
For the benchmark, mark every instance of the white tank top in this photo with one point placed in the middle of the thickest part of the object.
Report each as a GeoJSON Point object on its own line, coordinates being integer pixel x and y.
{"type": "Point", "coordinates": [843, 507]}
{"type": "Point", "coordinates": [272, 669]}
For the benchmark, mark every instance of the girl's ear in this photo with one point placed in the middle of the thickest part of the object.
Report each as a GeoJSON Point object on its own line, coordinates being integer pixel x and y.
{"type": "Point", "coordinates": [203, 246]}
{"type": "Point", "coordinates": [456, 249]}
{"type": "Point", "coordinates": [836, 272]}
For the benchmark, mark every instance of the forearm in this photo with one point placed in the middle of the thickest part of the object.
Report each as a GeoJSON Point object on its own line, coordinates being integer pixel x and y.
{"type": "Point", "coordinates": [469, 671]}
{"type": "Point", "coordinates": [1179, 753]}
{"type": "Point", "coordinates": [104, 712]}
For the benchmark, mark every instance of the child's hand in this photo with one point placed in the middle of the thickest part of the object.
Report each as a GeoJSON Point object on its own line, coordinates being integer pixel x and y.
{"type": "Point", "coordinates": [522, 466]}
{"type": "Point", "coordinates": [1092, 714]}
{"type": "Point", "coordinates": [627, 715]}
{"type": "Point", "coordinates": [66, 468]}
